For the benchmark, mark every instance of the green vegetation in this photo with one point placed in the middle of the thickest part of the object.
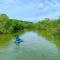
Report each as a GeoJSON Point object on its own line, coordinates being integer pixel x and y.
{"type": "Point", "coordinates": [8, 25]}
{"type": "Point", "coordinates": [12, 25]}
{"type": "Point", "coordinates": [52, 26]}
{"type": "Point", "coordinates": [48, 28]}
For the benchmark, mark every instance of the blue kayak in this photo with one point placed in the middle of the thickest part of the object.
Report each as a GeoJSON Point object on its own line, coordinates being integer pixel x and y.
{"type": "Point", "coordinates": [18, 41]}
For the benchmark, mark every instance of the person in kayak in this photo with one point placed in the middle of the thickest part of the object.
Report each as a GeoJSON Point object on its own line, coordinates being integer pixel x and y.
{"type": "Point", "coordinates": [18, 39]}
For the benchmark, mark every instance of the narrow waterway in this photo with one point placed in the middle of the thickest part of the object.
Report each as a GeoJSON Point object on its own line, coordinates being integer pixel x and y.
{"type": "Point", "coordinates": [34, 47]}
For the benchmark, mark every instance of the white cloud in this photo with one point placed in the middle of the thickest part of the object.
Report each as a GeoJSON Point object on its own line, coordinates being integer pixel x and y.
{"type": "Point", "coordinates": [10, 1]}
{"type": "Point", "coordinates": [40, 5]}
{"type": "Point", "coordinates": [56, 5]}
{"type": "Point", "coordinates": [55, 1]}
{"type": "Point", "coordinates": [49, 5]}
{"type": "Point", "coordinates": [52, 3]}
{"type": "Point", "coordinates": [33, 10]}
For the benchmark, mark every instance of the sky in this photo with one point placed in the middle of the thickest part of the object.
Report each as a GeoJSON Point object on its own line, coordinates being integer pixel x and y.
{"type": "Point", "coordinates": [30, 10]}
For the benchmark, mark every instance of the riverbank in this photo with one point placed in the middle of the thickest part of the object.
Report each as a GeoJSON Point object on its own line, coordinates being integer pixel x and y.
{"type": "Point", "coordinates": [8, 25]}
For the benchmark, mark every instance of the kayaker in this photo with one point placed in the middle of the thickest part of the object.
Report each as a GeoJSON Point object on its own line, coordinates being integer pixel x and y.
{"type": "Point", "coordinates": [17, 39]}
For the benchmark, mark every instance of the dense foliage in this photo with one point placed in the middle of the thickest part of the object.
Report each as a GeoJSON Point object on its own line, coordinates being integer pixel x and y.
{"type": "Point", "coordinates": [12, 25]}
{"type": "Point", "coordinates": [52, 26]}
{"type": "Point", "coordinates": [8, 25]}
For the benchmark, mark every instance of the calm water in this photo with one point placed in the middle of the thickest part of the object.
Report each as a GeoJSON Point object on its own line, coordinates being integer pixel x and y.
{"type": "Point", "coordinates": [34, 47]}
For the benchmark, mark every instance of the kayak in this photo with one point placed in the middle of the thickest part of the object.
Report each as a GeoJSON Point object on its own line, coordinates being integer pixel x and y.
{"type": "Point", "coordinates": [18, 41]}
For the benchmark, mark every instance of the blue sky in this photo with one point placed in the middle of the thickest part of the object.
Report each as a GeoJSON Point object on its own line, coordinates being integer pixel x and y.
{"type": "Point", "coordinates": [30, 10]}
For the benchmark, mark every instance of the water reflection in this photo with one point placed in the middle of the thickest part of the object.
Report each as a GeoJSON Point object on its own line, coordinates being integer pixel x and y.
{"type": "Point", "coordinates": [4, 38]}
{"type": "Point", "coordinates": [50, 37]}
{"type": "Point", "coordinates": [36, 46]}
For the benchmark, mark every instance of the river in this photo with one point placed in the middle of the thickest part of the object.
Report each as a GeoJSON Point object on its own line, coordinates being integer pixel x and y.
{"type": "Point", "coordinates": [34, 47]}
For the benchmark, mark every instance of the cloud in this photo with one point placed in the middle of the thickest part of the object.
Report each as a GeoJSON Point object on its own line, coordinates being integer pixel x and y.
{"type": "Point", "coordinates": [31, 9]}
{"type": "Point", "coordinates": [40, 5]}
{"type": "Point", "coordinates": [10, 1]}
{"type": "Point", "coordinates": [52, 3]}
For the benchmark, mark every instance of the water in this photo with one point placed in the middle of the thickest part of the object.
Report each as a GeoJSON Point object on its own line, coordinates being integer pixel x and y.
{"type": "Point", "coordinates": [34, 47]}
